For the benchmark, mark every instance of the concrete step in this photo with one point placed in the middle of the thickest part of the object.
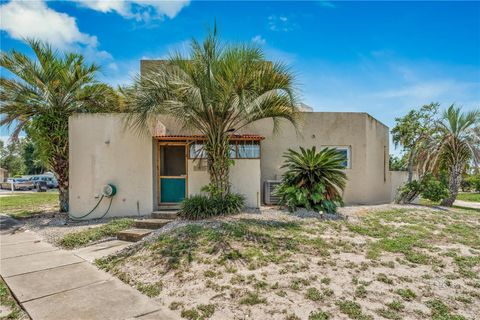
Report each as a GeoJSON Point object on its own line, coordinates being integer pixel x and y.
{"type": "Point", "coordinates": [172, 214]}
{"type": "Point", "coordinates": [168, 207]}
{"type": "Point", "coordinates": [151, 223]}
{"type": "Point", "coordinates": [133, 235]}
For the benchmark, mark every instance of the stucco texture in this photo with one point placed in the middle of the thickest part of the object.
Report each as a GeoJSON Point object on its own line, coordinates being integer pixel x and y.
{"type": "Point", "coordinates": [103, 150]}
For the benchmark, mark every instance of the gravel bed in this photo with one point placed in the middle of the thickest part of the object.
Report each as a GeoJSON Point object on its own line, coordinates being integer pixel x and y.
{"type": "Point", "coordinates": [53, 226]}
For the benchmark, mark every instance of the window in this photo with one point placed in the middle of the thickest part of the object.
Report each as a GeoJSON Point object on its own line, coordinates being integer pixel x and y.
{"type": "Point", "coordinates": [248, 150]}
{"type": "Point", "coordinates": [237, 150]}
{"type": "Point", "coordinates": [197, 151]}
{"type": "Point", "coordinates": [232, 150]}
{"type": "Point", "coordinates": [345, 151]}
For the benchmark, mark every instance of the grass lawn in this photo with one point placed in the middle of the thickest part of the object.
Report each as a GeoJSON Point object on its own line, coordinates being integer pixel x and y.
{"type": "Point", "coordinates": [10, 308]}
{"type": "Point", "coordinates": [473, 197]}
{"type": "Point", "coordinates": [23, 205]}
{"type": "Point", "coordinates": [390, 262]}
{"type": "Point", "coordinates": [84, 237]}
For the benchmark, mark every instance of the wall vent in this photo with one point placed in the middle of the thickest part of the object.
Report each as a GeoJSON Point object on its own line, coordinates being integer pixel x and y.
{"type": "Point", "coordinates": [269, 188]}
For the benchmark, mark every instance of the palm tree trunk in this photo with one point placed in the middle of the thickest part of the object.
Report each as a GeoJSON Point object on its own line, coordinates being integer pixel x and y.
{"type": "Point", "coordinates": [60, 167]}
{"type": "Point", "coordinates": [219, 165]}
{"type": "Point", "coordinates": [453, 185]}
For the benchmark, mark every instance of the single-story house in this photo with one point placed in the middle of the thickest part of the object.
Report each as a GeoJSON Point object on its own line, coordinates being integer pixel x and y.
{"type": "Point", "coordinates": [153, 172]}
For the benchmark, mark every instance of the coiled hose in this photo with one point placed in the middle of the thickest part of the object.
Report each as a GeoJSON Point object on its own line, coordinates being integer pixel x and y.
{"type": "Point", "coordinates": [71, 217]}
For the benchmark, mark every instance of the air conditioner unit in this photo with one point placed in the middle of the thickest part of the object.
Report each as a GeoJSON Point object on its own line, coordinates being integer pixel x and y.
{"type": "Point", "coordinates": [269, 188]}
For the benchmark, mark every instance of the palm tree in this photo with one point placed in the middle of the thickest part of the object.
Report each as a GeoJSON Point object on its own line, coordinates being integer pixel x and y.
{"type": "Point", "coordinates": [42, 94]}
{"type": "Point", "coordinates": [314, 180]}
{"type": "Point", "coordinates": [453, 146]}
{"type": "Point", "coordinates": [216, 89]}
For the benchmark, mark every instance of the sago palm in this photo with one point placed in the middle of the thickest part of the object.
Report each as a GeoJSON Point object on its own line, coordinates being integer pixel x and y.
{"type": "Point", "coordinates": [312, 179]}
{"type": "Point", "coordinates": [215, 89]}
{"type": "Point", "coordinates": [40, 96]}
{"type": "Point", "coordinates": [453, 146]}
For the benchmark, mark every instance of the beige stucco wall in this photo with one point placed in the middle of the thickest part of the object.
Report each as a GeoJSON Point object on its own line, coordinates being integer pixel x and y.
{"type": "Point", "coordinates": [366, 137]}
{"type": "Point", "coordinates": [244, 178]}
{"type": "Point", "coordinates": [102, 152]}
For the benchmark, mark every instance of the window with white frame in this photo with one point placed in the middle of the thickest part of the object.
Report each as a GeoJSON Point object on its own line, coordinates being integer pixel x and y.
{"type": "Point", "coordinates": [248, 150]}
{"type": "Point", "coordinates": [237, 150]}
{"type": "Point", "coordinates": [345, 151]}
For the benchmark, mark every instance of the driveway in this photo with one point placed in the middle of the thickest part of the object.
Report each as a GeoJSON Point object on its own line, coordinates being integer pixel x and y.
{"type": "Point", "coordinates": [51, 283]}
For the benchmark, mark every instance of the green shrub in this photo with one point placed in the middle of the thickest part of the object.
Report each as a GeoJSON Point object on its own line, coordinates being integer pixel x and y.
{"type": "Point", "coordinates": [429, 187]}
{"type": "Point", "coordinates": [433, 189]}
{"type": "Point", "coordinates": [201, 206]}
{"type": "Point", "coordinates": [471, 183]}
{"type": "Point", "coordinates": [313, 180]}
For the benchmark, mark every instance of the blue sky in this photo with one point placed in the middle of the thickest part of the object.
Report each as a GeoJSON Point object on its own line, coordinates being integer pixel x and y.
{"type": "Point", "coordinates": [383, 58]}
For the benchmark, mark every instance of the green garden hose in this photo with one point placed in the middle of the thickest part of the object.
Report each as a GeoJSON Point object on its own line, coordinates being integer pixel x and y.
{"type": "Point", "coordinates": [89, 213]}
{"type": "Point", "coordinates": [109, 191]}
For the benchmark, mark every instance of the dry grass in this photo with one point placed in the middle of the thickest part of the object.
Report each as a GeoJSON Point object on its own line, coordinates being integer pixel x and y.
{"type": "Point", "coordinates": [393, 262]}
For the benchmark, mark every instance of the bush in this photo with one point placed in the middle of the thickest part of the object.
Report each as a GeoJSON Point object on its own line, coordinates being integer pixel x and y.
{"type": "Point", "coordinates": [408, 192]}
{"type": "Point", "coordinates": [429, 188]}
{"type": "Point", "coordinates": [313, 180]}
{"type": "Point", "coordinates": [201, 206]}
{"type": "Point", "coordinates": [433, 189]}
{"type": "Point", "coordinates": [471, 183]}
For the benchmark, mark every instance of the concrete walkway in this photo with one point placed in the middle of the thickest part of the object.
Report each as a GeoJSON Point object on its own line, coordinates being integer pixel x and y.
{"type": "Point", "coordinates": [467, 204]}
{"type": "Point", "coordinates": [56, 284]}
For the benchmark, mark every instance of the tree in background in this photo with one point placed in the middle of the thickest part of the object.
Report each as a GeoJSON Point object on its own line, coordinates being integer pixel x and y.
{"type": "Point", "coordinates": [215, 89]}
{"type": "Point", "coordinates": [412, 130]}
{"type": "Point", "coordinates": [43, 93]}
{"type": "Point", "coordinates": [397, 163]}
{"type": "Point", "coordinates": [21, 157]}
{"type": "Point", "coordinates": [454, 144]}
{"type": "Point", "coordinates": [11, 158]}
{"type": "Point", "coordinates": [32, 157]}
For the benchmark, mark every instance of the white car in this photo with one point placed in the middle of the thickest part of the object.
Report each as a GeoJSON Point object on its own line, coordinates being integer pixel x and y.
{"type": "Point", "coordinates": [18, 184]}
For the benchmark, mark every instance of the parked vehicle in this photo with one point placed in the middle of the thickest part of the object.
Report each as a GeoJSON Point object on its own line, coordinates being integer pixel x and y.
{"type": "Point", "coordinates": [18, 184]}
{"type": "Point", "coordinates": [49, 180]}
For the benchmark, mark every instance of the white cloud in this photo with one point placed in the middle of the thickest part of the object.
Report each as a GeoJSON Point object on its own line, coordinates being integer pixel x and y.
{"type": "Point", "coordinates": [33, 19]}
{"type": "Point", "coordinates": [140, 10]}
{"type": "Point", "coordinates": [259, 40]}
{"type": "Point", "coordinates": [280, 23]}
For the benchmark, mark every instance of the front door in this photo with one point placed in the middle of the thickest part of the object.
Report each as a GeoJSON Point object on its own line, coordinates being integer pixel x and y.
{"type": "Point", "coordinates": [173, 173]}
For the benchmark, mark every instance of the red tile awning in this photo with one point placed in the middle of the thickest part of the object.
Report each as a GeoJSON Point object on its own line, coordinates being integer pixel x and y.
{"type": "Point", "coordinates": [179, 137]}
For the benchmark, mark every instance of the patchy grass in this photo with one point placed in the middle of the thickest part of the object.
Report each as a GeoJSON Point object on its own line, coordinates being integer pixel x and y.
{"type": "Point", "coordinates": [84, 237]}
{"type": "Point", "coordinates": [10, 308]}
{"type": "Point", "coordinates": [406, 294]}
{"type": "Point", "coordinates": [353, 310]}
{"type": "Point", "coordinates": [24, 205]}
{"type": "Point", "coordinates": [441, 311]}
{"type": "Point", "coordinates": [263, 267]}
{"type": "Point", "coordinates": [252, 298]}
{"type": "Point", "coordinates": [313, 294]}
{"type": "Point", "coordinates": [471, 197]}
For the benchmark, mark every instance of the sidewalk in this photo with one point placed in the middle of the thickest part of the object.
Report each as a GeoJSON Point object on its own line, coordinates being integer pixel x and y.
{"type": "Point", "coordinates": [51, 283]}
{"type": "Point", "coordinates": [467, 204]}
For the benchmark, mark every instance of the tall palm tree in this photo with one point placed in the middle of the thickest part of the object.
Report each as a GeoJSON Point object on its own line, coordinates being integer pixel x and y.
{"type": "Point", "coordinates": [216, 89]}
{"type": "Point", "coordinates": [453, 146]}
{"type": "Point", "coordinates": [43, 93]}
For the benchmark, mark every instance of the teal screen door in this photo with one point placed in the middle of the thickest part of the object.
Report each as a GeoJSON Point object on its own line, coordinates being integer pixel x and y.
{"type": "Point", "coordinates": [173, 174]}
